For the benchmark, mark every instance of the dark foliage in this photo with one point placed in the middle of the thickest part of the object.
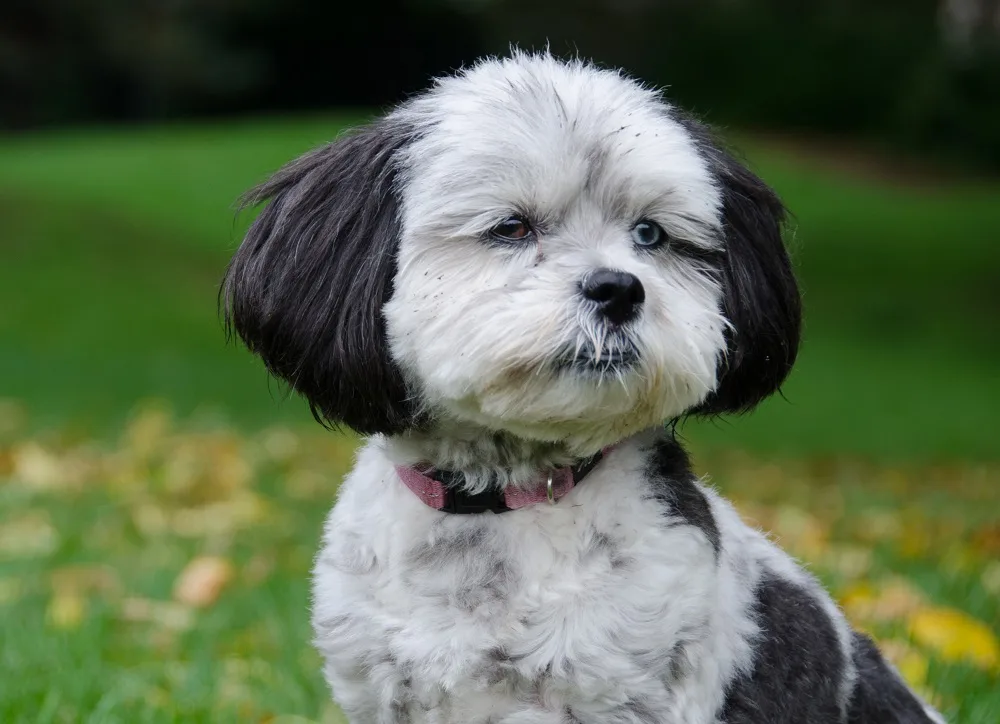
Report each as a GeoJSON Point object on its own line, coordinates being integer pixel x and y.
{"type": "Point", "coordinates": [892, 70]}
{"type": "Point", "coordinates": [83, 60]}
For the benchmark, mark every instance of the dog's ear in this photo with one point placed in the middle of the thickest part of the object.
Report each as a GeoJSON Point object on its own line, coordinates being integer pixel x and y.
{"type": "Point", "coordinates": [760, 296]}
{"type": "Point", "coordinates": [306, 289]}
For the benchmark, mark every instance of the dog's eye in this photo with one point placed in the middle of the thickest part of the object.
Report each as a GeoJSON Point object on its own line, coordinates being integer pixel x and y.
{"type": "Point", "coordinates": [512, 229]}
{"type": "Point", "coordinates": [648, 234]}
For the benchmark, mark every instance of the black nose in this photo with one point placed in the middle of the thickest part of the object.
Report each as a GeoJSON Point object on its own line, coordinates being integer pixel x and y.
{"type": "Point", "coordinates": [618, 294]}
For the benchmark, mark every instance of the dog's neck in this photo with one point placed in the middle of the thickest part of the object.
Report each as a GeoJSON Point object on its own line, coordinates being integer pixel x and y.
{"type": "Point", "coordinates": [485, 458]}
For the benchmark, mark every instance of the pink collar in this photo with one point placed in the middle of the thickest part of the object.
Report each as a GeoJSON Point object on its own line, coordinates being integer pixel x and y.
{"type": "Point", "coordinates": [451, 498]}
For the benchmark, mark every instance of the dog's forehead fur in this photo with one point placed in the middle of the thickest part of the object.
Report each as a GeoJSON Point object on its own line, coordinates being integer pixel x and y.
{"type": "Point", "coordinates": [543, 137]}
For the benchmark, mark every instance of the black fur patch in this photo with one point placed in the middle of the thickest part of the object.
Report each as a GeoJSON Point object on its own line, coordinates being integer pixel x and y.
{"type": "Point", "coordinates": [306, 288]}
{"type": "Point", "coordinates": [634, 711]}
{"type": "Point", "coordinates": [798, 665]}
{"type": "Point", "coordinates": [603, 546]}
{"type": "Point", "coordinates": [880, 697]}
{"type": "Point", "coordinates": [760, 296]}
{"type": "Point", "coordinates": [463, 554]}
{"type": "Point", "coordinates": [674, 486]}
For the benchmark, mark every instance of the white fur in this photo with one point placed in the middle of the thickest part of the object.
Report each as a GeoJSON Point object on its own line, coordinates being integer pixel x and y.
{"type": "Point", "coordinates": [606, 607]}
{"type": "Point", "coordinates": [395, 629]}
{"type": "Point", "coordinates": [591, 154]}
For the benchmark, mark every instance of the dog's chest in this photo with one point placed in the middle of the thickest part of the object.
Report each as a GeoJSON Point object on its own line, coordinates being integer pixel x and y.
{"type": "Point", "coordinates": [584, 606]}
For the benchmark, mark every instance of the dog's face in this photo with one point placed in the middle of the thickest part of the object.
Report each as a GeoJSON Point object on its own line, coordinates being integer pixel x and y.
{"type": "Point", "coordinates": [537, 247]}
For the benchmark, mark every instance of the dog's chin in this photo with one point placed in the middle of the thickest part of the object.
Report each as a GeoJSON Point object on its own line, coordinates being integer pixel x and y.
{"type": "Point", "coordinates": [583, 401]}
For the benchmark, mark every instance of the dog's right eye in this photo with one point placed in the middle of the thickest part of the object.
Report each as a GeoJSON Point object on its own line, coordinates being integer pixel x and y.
{"type": "Point", "coordinates": [512, 229]}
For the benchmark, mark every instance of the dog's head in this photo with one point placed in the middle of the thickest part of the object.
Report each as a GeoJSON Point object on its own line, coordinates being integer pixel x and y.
{"type": "Point", "coordinates": [532, 246]}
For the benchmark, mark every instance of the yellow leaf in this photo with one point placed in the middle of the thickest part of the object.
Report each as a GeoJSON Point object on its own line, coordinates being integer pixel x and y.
{"type": "Point", "coordinates": [990, 578]}
{"type": "Point", "coordinates": [803, 534]}
{"type": "Point", "coordinates": [911, 663]}
{"type": "Point", "coordinates": [258, 569]}
{"type": "Point", "coordinates": [878, 526]}
{"type": "Point", "coordinates": [280, 444]}
{"type": "Point", "coordinates": [955, 636]}
{"type": "Point", "coordinates": [148, 428]}
{"type": "Point", "coordinates": [914, 541]}
{"type": "Point", "coordinates": [28, 535]}
{"type": "Point", "coordinates": [66, 611]}
{"type": "Point", "coordinates": [202, 580]}
{"type": "Point", "coordinates": [895, 599]}
{"type": "Point", "coordinates": [82, 580]}
{"type": "Point", "coordinates": [35, 466]}
{"type": "Point", "coordinates": [239, 511]}
{"type": "Point", "coordinates": [849, 561]}
{"type": "Point", "coordinates": [168, 615]}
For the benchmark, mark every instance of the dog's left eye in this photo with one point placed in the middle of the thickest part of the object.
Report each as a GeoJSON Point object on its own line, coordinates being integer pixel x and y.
{"type": "Point", "coordinates": [648, 234]}
{"type": "Point", "coordinates": [512, 229]}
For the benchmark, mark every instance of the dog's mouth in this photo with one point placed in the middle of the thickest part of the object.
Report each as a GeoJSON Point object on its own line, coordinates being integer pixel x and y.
{"type": "Point", "coordinates": [586, 359]}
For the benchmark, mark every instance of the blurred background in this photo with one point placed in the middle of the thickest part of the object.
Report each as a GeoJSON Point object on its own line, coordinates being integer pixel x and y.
{"type": "Point", "coordinates": [161, 499]}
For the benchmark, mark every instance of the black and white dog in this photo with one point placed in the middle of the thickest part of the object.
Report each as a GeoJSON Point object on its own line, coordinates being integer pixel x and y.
{"type": "Point", "coordinates": [510, 283]}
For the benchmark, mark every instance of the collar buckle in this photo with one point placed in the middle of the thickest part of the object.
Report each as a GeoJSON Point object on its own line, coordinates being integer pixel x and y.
{"type": "Point", "coordinates": [463, 503]}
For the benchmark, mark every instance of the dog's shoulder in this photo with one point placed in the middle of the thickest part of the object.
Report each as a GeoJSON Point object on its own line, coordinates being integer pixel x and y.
{"type": "Point", "coordinates": [800, 668]}
{"type": "Point", "coordinates": [806, 662]}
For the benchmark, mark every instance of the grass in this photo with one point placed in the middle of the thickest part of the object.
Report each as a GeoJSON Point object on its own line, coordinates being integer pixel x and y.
{"type": "Point", "coordinates": [879, 467]}
{"type": "Point", "coordinates": [99, 539]}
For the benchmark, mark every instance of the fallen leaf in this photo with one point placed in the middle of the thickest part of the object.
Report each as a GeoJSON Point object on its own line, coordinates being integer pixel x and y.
{"type": "Point", "coordinates": [27, 536]}
{"type": "Point", "coordinates": [35, 466]}
{"type": "Point", "coordinates": [84, 579]}
{"type": "Point", "coordinates": [307, 485]}
{"type": "Point", "coordinates": [241, 510]}
{"type": "Point", "coordinates": [911, 663]}
{"type": "Point", "coordinates": [801, 533]}
{"type": "Point", "coordinates": [990, 578]}
{"type": "Point", "coordinates": [280, 444]}
{"type": "Point", "coordinates": [174, 616]}
{"type": "Point", "coordinates": [893, 600]}
{"type": "Point", "coordinates": [955, 636]}
{"type": "Point", "coordinates": [66, 611]}
{"type": "Point", "coordinates": [202, 580]}
{"type": "Point", "coordinates": [878, 526]}
{"type": "Point", "coordinates": [986, 540]}
{"type": "Point", "coordinates": [850, 561]}
{"type": "Point", "coordinates": [148, 429]}
{"type": "Point", "coordinates": [206, 467]}
{"type": "Point", "coordinates": [258, 569]}
{"type": "Point", "coordinates": [150, 518]}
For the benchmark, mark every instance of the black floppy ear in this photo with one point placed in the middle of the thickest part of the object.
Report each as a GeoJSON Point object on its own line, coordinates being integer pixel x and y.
{"type": "Point", "coordinates": [760, 296]}
{"type": "Point", "coordinates": [306, 288]}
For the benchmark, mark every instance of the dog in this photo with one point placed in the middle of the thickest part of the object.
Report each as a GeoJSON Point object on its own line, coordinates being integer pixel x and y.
{"type": "Point", "coordinates": [513, 284]}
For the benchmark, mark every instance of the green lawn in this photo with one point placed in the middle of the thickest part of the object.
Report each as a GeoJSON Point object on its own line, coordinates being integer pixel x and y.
{"type": "Point", "coordinates": [881, 459]}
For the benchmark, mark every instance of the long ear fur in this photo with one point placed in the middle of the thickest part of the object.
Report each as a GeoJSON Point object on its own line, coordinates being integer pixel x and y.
{"type": "Point", "coordinates": [760, 296]}
{"type": "Point", "coordinates": [306, 288]}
